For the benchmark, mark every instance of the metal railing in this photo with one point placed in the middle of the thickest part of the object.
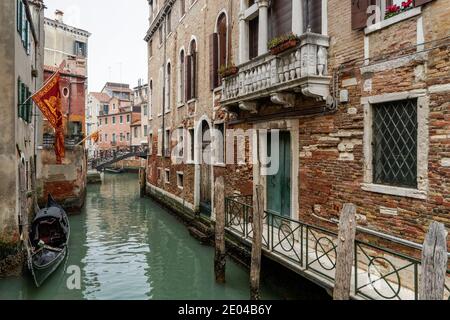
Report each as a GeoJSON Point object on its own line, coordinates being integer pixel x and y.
{"type": "Point", "coordinates": [378, 272]}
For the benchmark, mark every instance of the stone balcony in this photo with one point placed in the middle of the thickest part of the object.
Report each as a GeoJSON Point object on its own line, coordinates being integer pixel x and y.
{"type": "Point", "coordinates": [300, 70]}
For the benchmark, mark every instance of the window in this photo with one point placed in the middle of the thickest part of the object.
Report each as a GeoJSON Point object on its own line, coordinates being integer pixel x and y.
{"type": "Point", "coordinates": [180, 180]}
{"type": "Point", "coordinates": [363, 16]}
{"type": "Point", "coordinates": [181, 76]}
{"type": "Point", "coordinates": [313, 16]}
{"type": "Point", "coordinates": [121, 137]}
{"type": "Point", "coordinates": [395, 143]}
{"type": "Point", "coordinates": [23, 25]}
{"type": "Point", "coordinates": [150, 97]}
{"type": "Point", "coordinates": [159, 143]}
{"type": "Point", "coordinates": [182, 8]}
{"type": "Point", "coordinates": [167, 176]}
{"type": "Point", "coordinates": [218, 50]}
{"type": "Point", "coordinates": [145, 130]}
{"type": "Point", "coordinates": [167, 143]}
{"type": "Point", "coordinates": [106, 120]}
{"type": "Point", "coordinates": [114, 137]}
{"type": "Point", "coordinates": [105, 109]}
{"type": "Point", "coordinates": [128, 118]}
{"type": "Point", "coordinates": [80, 49]}
{"type": "Point", "coordinates": [114, 120]}
{"type": "Point", "coordinates": [24, 103]}
{"type": "Point", "coordinates": [121, 119]}
{"type": "Point", "coordinates": [169, 22]}
{"type": "Point", "coordinates": [145, 110]}
{"type": "Point", "coordinates": [281, 18]}
{"type": "Point", "coordinates": [192, 78]}
{"type": "Point", "coordinates": [253, 37]}
{"type": "Point", "coordinates": [191, 145]}
{"type": "Point", "coordinates": [106, 137]}
{"type": "Point", "coordinates": [150, 144]}
{"type": "Point", "coordinates": [219, 143]}
{"type": "Point", "coordinates": [135, 132]}
{"type": "Point", "coordinates": [168, 87]}
{"type": "Point", "coordinates": [150, 48]}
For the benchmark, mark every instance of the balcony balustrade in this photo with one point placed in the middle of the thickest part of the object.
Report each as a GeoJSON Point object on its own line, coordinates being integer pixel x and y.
{"type": "Point", "coordinates": [302, 69]}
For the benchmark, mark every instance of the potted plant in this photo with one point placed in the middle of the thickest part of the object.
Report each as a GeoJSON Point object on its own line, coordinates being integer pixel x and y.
{"type": "Point", "coordinates": [394, 10]}
{"type": "Point", "coordinates": [228, 70]}
{"type": "Point", "coordinates": [283, 43]}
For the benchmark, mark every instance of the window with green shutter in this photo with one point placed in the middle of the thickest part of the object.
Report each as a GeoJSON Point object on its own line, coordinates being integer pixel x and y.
{"type": "Point", "coordinates": [23, 97]}
{"type": "Point", "coordinates": [19, 15]}
{"type": "Point", "coordinates": [19, 96]}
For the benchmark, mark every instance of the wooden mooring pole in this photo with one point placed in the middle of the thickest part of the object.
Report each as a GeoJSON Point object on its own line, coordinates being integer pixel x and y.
{"type": "Point", "coordinates": [345, 253]}
{"type": "Point", "coordinates": [255, 268]}
{"type": "Point", "coordinates": [220, 253]}
{"type": "Point", "coordinates": [142, 181]}
{"type": "Point", "coordinates": [434, 263]}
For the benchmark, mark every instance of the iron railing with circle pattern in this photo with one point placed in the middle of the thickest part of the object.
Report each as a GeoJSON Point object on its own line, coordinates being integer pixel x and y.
{"type": "Point", "coordinates": [378, 273]}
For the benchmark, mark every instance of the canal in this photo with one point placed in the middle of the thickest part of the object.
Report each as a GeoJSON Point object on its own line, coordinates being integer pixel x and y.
{"type": "Point", "coordinates": [127, 247]}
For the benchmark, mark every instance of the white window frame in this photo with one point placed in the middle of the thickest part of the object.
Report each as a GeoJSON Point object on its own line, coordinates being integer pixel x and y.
{"type": "Point", "coordinates": [421, 192]}
{"type": "Point", "coordinates": [179, 184]}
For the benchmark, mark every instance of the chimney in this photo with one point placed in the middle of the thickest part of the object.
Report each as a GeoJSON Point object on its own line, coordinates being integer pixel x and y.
{"type": "Point", "coordinates": [59, 16]}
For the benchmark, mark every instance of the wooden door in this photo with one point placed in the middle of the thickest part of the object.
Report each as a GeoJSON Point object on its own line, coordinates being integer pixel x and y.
{"type": "Point", "coordinates": [205, 171]}
{"type": "Point", "coordinates": [279, 185]}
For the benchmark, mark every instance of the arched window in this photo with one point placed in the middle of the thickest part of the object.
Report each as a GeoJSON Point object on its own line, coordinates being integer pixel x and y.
{"type": "Point", "coordinates": [191, 72]}
{"type": "Point", "coordinates": [181, 76]}
{"type": "Point", "coordinates": [150, 98]}
{"type": "Point", "coordinates": [168, 86]}
{"type": "Point", "coordinates": [218, 50]}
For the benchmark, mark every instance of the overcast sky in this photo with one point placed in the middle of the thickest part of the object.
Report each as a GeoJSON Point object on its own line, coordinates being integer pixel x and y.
{"type": "Point", "coordinates": [118, 28]}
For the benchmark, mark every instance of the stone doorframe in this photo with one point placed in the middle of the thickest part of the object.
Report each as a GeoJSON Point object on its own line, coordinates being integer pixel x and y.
{"type": "Point", "coordinates": [291, 126]}
{"type": "Point", "coordinates": [198, 159]}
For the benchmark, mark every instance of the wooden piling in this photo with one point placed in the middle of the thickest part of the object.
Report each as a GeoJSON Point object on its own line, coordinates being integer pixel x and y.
{"type": "Point", "coordinates": [255, 269]}
{"type": "Point", "coordinates": [434, 263]}
{"type": "Point", "coordinates": [142, 181]}
{"type": "Point", "coordinates": [220, 253]}
{"type": "Point", "coordinates": [345, 253]}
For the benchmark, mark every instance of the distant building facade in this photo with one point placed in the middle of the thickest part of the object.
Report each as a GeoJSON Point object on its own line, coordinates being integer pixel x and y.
{"type": "Point", "coordinates": [115, 124]}
{"type": "Point", "coordinates": [66, 182]}
{"type": "Point", "coordinates": [118, 90]}
{"type": "Point", "coordinates": [140, 100]}
{"type": "Point", "coordinates": [97, 103]}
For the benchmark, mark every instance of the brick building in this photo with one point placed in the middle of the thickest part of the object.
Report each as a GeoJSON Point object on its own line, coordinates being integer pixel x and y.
{"type": "Point", "coordinates": [359, 105]}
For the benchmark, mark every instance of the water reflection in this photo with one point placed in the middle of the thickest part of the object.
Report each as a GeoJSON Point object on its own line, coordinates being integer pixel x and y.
{"type": "Point", "coordinates": [131, 248]}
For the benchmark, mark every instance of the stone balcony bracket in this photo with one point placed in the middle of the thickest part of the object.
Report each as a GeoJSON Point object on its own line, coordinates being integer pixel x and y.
{"type": "Point", "coordinates": [300, 70]}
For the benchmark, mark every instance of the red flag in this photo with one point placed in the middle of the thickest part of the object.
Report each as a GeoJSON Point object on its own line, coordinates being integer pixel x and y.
{"type": "Point", "coordinates": [48, 99]}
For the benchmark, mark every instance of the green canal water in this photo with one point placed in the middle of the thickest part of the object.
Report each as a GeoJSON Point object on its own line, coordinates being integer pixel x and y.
{"type": "Point", "coordinates": [131, 248]}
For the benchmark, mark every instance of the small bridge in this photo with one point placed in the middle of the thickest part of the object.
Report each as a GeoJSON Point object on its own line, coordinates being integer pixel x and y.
{"type": "Point", "coordinates": [107, 158]}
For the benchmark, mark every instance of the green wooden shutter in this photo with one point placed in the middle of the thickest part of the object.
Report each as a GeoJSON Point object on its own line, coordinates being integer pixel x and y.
{"type": "Point", "coordinates": [19, 96]}
{"type": "Point", "coordinates": [29, 106]}
{"type": "Point", "coordinates": [19, 15]}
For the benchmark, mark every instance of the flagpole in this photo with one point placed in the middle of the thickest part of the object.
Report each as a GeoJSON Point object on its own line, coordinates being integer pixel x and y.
{"type": "Point", "coordinates": [79, 143]}
{"type": "Point", "coordinates": [60, 68]}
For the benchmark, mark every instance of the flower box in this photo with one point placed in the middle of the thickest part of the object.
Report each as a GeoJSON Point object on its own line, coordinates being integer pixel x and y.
{"type": "Point", "coordinates": [283, 43]}
{"type": "Point", "coordinates": [225, 72]}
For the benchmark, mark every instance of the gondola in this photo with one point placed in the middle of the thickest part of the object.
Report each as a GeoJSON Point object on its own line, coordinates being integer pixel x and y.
{"type": "Point", "coordinates": [114, 170]}
{"type": "Point", "coordinates": [48, 241]}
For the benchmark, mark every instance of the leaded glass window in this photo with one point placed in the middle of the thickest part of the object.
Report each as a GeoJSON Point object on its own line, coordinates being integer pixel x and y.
{"type": "Point", "coordinates": [395, 143]}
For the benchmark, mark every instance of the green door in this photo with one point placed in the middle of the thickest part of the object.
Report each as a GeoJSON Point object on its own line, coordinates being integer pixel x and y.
{"type": "Point", "coordinates": [279, 185]}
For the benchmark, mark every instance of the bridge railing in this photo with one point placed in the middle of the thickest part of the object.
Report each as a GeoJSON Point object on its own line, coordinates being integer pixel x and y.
{"type": "Point", "coordinates": [379, 272]}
